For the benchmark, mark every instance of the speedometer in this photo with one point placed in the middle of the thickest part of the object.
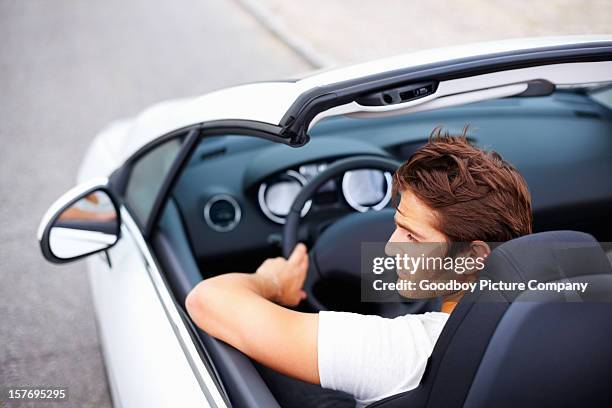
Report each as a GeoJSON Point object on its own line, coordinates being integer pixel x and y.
{"type": "Point", "coordinates": [366, 189]}
{"type": "Point", "coordinates": [276, 196]}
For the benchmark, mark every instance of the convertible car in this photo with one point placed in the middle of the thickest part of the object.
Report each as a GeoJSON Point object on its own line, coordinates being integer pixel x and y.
{"type": "Point", "coordinates": [196, 187]}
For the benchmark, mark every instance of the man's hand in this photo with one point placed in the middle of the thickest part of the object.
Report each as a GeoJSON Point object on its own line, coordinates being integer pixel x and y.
{"type": "Point", "coordinates": [238, 308]}
{"type": "Point", "coordinates": [282, 279]}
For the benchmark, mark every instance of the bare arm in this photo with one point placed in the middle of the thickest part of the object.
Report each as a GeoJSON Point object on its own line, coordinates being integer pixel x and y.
{"type": "Point", "coordinates": [246, 311]}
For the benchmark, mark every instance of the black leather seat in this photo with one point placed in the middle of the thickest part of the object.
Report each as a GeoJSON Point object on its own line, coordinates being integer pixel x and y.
{"type": "Point", "coordinates": [526, 348]}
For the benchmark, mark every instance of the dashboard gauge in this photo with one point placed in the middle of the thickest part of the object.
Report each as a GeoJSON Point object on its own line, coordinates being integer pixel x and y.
{"type": "Point", "coordinates": [275, 198]}
{"type": "Point", "coordinates": [309, 171]}
{"type": "Point", "coordinates": [367, 189]}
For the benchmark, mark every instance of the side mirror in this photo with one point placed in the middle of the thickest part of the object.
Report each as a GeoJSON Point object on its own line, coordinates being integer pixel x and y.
{"type": "Point", "coordinates": [82, 222]}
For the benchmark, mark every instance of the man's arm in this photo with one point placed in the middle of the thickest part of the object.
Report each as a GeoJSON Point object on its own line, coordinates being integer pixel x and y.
{"type": "Point", "coordinates": [246, 311]}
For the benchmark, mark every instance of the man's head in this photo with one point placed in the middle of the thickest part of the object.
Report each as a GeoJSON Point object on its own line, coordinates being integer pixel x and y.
{"type": "Point", "coordinates": [454, 192]}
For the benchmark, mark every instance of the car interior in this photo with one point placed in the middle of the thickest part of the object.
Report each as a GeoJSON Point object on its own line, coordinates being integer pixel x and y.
{"type": "Point", "coordinates": [229, 209]}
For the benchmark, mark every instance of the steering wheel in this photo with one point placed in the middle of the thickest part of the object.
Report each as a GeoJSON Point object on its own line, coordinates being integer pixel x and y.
{"type": "Point", "coordinates": [336, 251]}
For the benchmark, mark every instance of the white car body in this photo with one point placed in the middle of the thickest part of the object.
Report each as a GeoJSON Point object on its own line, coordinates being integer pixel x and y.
{"type": "Point", "coordinates": [150, 358]}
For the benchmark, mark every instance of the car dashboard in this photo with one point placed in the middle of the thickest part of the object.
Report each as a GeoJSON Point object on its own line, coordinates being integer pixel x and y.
{"type": "Point", "coordinates": [235, 192]}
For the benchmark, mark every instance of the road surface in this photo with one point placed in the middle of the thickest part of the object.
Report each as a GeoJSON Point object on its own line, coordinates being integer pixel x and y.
{"type": "Point", "coordinates": [67, 68]}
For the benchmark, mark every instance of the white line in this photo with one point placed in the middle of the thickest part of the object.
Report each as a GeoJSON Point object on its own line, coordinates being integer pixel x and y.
{"type": "Point", "coordinates": [275, 26]}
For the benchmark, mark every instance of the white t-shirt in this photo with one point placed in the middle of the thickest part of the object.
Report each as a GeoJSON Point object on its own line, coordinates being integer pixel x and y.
{"type": "Point", "coordinates": [371, 357]}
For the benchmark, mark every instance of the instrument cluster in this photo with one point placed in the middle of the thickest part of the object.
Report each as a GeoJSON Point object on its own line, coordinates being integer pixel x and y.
{"type": "Point", "coordinates": [363, 190]}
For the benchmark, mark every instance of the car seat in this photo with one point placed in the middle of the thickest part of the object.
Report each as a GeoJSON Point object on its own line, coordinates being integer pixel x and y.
{"type": "Point", "coordinates": [526, 348]}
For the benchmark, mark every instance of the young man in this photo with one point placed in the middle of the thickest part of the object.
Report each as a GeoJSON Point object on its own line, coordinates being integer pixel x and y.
{"type": "Point", "coordinates": [450, 191]}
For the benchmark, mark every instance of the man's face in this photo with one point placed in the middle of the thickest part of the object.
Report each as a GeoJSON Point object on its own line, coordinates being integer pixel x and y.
{"type": "Point", "coordinates": [415, 235]}
{"type": "Point", "coordinates": [415, 221]}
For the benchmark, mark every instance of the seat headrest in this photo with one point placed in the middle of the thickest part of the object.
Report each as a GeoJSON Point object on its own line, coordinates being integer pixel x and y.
{"type": "Point", "coordinates": [547, 257]}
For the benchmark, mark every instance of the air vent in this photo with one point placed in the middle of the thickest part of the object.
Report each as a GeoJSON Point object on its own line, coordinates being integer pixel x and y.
{"type": "Point", "coordinates": [222, 213]}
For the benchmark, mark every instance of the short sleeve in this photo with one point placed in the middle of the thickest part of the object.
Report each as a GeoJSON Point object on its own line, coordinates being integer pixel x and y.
{"type": "Point", "coordinates": [371, 357]}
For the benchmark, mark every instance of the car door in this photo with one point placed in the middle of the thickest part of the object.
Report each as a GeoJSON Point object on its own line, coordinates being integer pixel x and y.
{"type": "Point", "coordinates": [150, 357]}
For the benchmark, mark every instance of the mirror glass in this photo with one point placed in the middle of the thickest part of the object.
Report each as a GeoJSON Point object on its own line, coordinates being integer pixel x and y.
{"type": "Point", "coordinates": [89, 225]}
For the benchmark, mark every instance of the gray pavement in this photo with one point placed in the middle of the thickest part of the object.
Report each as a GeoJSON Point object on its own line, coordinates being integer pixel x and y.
{"type": "Point", "coordinates": [67, 68]}
{"type": "Point", "coordinates": [341, 31]}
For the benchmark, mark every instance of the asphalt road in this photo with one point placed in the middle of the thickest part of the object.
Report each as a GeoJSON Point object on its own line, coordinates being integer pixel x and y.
{"type": "Point", "coordinates": [67, 68]}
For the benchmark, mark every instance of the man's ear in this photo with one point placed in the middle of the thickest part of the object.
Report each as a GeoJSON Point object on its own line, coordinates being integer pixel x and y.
{"type": "Point", "coordinates": [478, 249]}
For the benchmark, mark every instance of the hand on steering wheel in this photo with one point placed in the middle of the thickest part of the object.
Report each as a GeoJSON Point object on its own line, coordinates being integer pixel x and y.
{"type": "Point", "coordinates": [335, 239]}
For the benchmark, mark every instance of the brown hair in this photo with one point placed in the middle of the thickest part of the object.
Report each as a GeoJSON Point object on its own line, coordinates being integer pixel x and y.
{"type": "Point", "coordinates": [475, 194]}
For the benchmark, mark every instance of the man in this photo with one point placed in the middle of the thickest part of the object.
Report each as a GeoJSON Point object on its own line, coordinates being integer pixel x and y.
{"type": "Point", "coordinates": [451, 192]}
